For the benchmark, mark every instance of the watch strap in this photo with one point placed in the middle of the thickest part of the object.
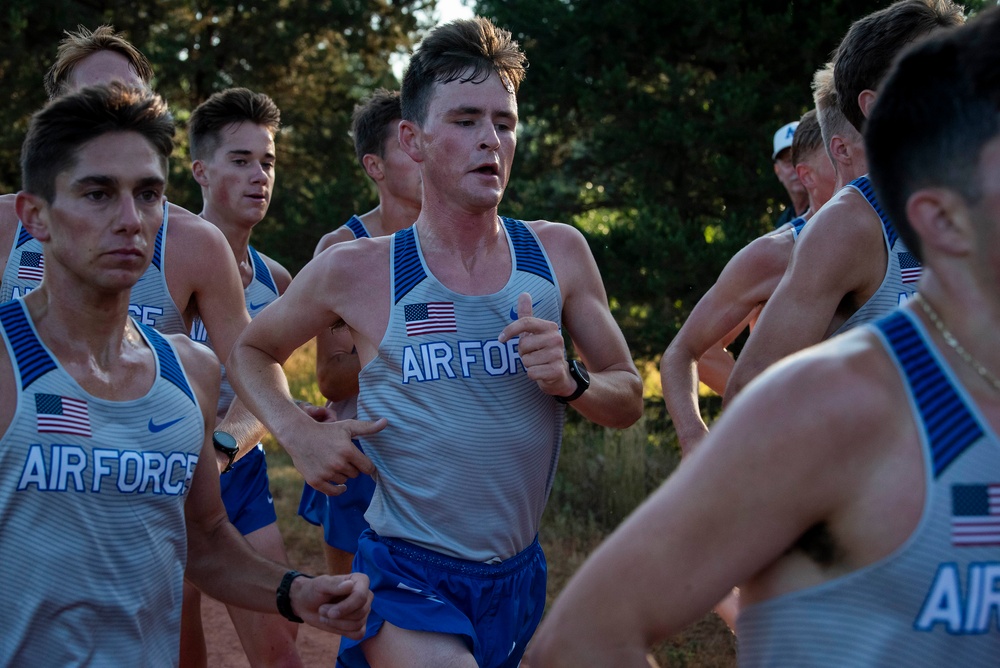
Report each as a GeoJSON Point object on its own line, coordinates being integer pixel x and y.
{"type": "Point", "coordinates": [581, 384]}
{"type": "Point", "coordinates": [229, 464]}
{"type": "Point", "coordinates": [284, 598]}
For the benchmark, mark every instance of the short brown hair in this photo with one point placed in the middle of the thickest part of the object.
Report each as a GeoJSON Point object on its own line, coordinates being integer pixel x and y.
{"type": "Point", "coordinates": [78, 45]}
{"type": "Point", "coordinates": [372, 123]}
{"type": "Point", "coordinates": [60, 128]}
{"type": "Point", "coordinates": [450, 51]}
{"type": "Point", "coordinates": [233, 105]}
{"type": "Point", "coordinates": [807, 137]}
{"type": "Point", "coordinates": [939, 108]}
{"type": "Point", "coordinates": [865, 54]}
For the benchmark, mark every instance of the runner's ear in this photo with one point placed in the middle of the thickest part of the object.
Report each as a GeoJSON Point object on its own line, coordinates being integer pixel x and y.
{"type": "Point", "coordinates": [199, 172]}
{"type": "Point", "coordinates": [940, 217]}
{"type": "Point", "coordinates": [32, 211]}
{"type": "Point", "coordinates": [409, 140]}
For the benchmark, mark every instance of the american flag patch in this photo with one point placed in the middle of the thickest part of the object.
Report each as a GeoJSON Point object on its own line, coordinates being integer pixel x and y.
{"type": "Point", "coordinates": [909, 267]}
{"type": "Point", "coordinates": [975, 515]}
{"type": "Point", "coordinates": [430, 318]}
{"type": "Point", "coordinates": [62, 415]}
{"type": "Point", "coordinates": [31, 265]}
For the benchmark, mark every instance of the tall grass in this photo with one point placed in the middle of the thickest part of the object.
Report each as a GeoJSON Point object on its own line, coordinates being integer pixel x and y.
{"type": "Point", "coordinates": [605, 473]}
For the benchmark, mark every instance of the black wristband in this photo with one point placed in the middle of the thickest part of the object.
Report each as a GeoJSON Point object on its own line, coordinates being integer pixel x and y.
{"type": "Point", "coordinates": [579, 373]}
{"type": "Point", "coordinates": [284, 599]}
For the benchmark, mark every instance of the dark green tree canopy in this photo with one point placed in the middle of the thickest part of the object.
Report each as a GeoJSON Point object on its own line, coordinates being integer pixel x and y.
{"type": "Point", "coordinates": [648, 124]}
{"type": "Point", "coordinates": [315, 58]}
{"type": "Point", "coordinates": [645, 123]}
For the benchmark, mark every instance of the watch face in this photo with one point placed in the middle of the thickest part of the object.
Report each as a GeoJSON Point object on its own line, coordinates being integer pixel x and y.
{"type": "Point", "coordinates": [224, 441]}
{"type": "Point", "coordinates": [582, 370]}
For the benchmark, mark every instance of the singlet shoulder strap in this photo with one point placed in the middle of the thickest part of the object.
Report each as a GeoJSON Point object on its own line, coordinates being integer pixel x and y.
{"type": "Point", "coordinates": [355, 225]}
{"type": "Point", "coordinates": [864, 186]}
{"type": "Point", "coordinates": [528, 254]}
{"type": "Point", "coordinates": [407, 269]}
{"type": "Point", "coordinates": [31, 359]}
{"type": "Point", "coordinates": [161, 235]}
{"type": "Point", "coordinates": [170, 365]}
{"type": "Point", "coordinates": [950, 426]}
{"type": "Point", "coordinates": [260, 271]}
{"type": "Point", "coordinates": [23, 235]}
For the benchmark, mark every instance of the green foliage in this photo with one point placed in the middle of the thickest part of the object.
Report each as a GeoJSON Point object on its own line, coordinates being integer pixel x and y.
{"type": "Point", "coordinates": [316, 58]}
{"type": "Point", "coordinates": [648, 124]}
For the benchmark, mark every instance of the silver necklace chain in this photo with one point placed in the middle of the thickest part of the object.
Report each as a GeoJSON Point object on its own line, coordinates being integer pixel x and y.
{"type": "Point", "coordinates": [950, 339]}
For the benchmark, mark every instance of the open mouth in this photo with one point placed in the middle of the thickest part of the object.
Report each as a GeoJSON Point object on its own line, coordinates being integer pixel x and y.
{"type": "Point", "coordinates": [488, 170]}
{"type": "Point", "coordinates": [126, 252]}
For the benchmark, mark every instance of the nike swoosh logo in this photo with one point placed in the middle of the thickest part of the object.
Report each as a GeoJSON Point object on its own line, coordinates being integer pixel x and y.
{"type": "Point", "coordinates": [154, 428]}
{"type": "Point", "coordinates": [270, 499]}
{"type": "Point", "coordinates": [254, 307]}
{"type": "Point", "coordinates": [513, 309]}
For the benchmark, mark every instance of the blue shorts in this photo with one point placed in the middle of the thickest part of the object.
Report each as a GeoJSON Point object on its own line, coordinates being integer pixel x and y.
{"type": "Point", "coordinates": [494, 608]}
{"type": "Point", "coordinates": [246, 494]}
{"type": "Point", "coordinates": [343, 516]}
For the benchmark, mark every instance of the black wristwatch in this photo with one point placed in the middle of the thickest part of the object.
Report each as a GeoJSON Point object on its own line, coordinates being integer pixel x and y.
{"type": "Point", "coordinates": [284, 596]}
{"type": "Point", "coordinates": [226, 443]}
{"type": "Point", "coordinates": [582, 377]}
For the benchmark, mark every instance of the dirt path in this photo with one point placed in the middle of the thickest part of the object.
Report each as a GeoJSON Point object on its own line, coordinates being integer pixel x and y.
{"type": "Point", "coordinates": [317, 648]}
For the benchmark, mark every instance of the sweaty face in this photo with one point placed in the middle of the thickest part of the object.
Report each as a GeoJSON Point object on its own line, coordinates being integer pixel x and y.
{"type": "Point", "coordinates": [102, 67]}
{"type": "Point", "coordinates": [238, 179]}
{"type": "Point", "coordinates": [106, 212]}
{"type": "Point", "coordinates": [467, 143]}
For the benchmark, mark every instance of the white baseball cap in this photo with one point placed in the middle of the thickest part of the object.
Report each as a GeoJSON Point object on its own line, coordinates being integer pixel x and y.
{"type": "Point", "coordinates": [783, 138]}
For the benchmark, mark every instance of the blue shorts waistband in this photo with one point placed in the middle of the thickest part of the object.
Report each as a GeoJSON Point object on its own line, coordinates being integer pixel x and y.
{"type": "Point", "coordinates": [475, 569]}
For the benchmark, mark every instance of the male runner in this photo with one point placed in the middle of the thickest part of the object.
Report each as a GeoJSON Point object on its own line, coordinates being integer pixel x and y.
{"type": "Point", "coordinates": [852, 488]}
{"type": "Point", "coordinates": [233, 160]}
{"type": "Point", "coordinates": [84, 477]}
{"type": "Point", "coordinates": [176, 289]}
{"type": "Point", "coordinates": [458, 325]}
{"type": "Point", "coordinates": [176, 286]}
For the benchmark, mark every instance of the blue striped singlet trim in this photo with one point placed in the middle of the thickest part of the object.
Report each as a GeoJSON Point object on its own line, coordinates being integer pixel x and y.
{"type": "Point", "coordinates": [528, 255]}
{"type": "Point", "coordinates": [408, 271]}
{"type": "Point", "coordinates": [23, 236]}
{"type": "Point", "coordinates": [951, 428]}
{"type": "Point", "coordinates": [158, 244]}
{"type": "Point", "coordinates": [260, 271]}
{"type": "Point", "coordinates": [864, 186]}
{"type": "Point", "coordinates": [30, 357]}
{"type": "Point", "coordinates": [355, 225]}
{"type": "Point", "coordinates": [170, 366]}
